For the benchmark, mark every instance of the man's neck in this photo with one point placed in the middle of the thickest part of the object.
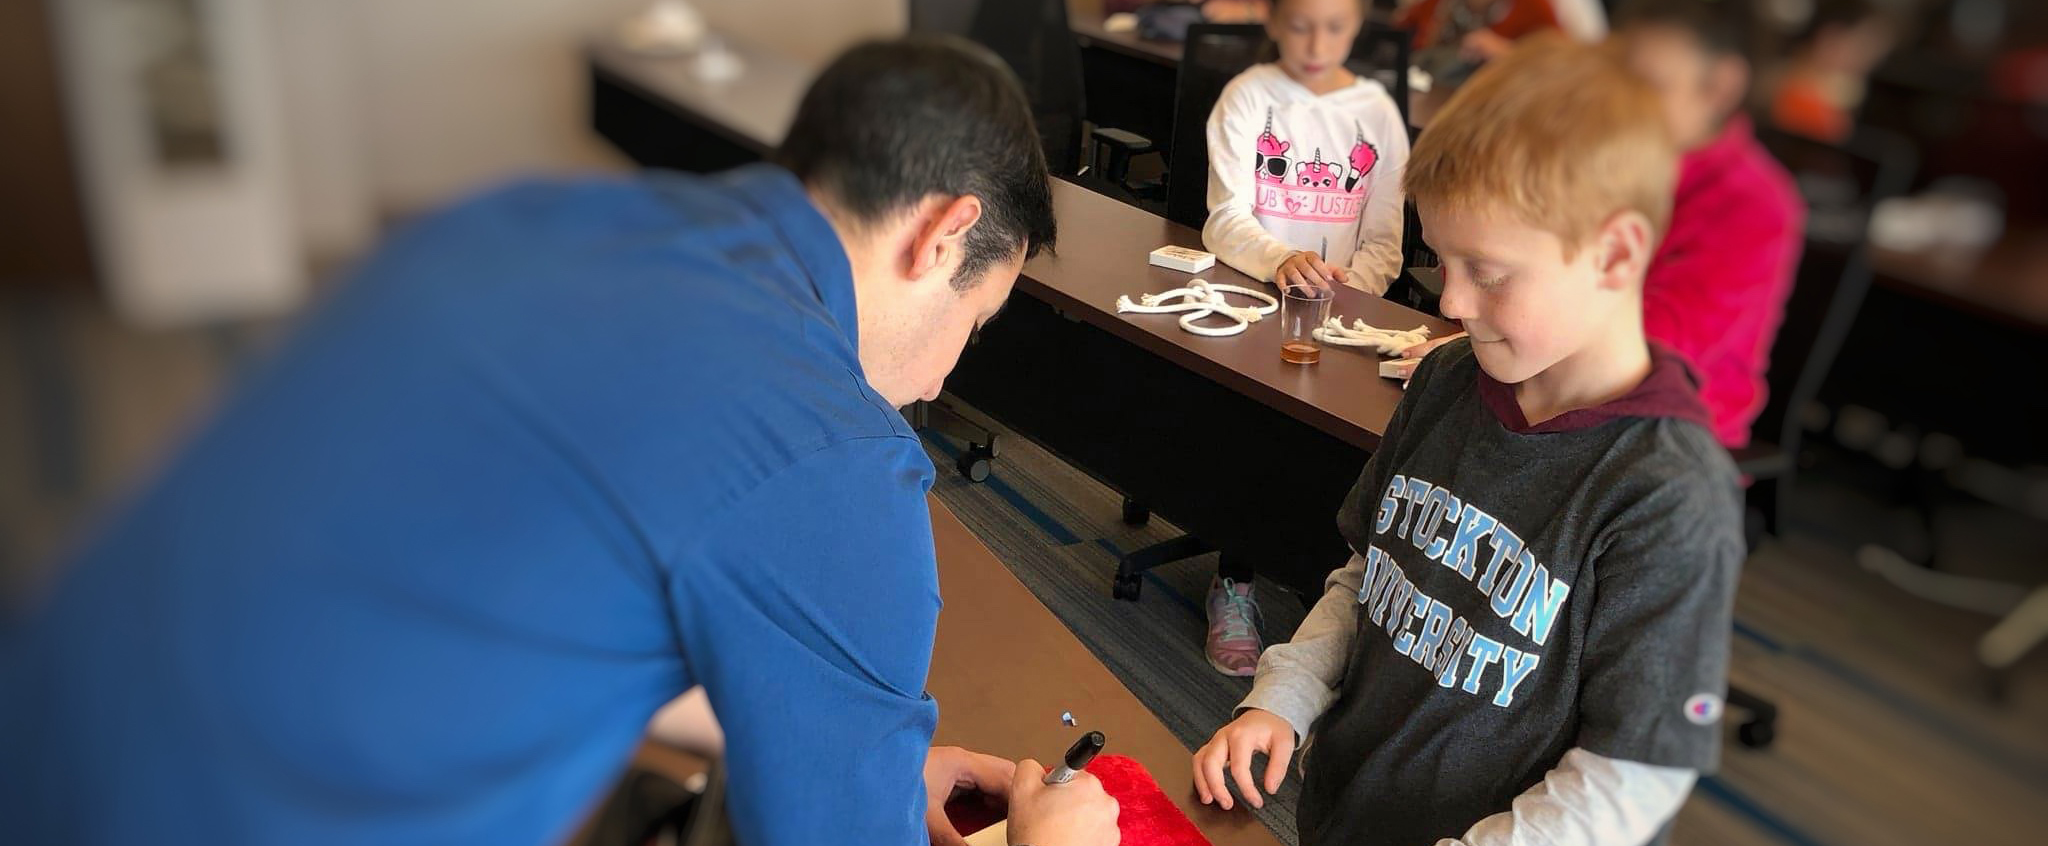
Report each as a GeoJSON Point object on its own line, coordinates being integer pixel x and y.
{"type": "Point", "coordinates": [1601, 372]}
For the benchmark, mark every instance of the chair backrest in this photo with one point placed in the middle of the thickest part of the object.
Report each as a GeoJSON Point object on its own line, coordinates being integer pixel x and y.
{"type": "Point", "coordinates": [1214, 54]}
{"type": "Point", "coordinates": [1033, 37]}
{"type": "Point", "coordinates": [1841, 185]}
{"type": "Point", "coordinates": [952, 17]}
{"type": "Point", "coordinates": [1381, 53]}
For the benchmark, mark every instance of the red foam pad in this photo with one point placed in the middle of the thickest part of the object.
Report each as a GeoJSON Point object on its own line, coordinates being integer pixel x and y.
{"type": "Point", "coordinates": [1145, 815]}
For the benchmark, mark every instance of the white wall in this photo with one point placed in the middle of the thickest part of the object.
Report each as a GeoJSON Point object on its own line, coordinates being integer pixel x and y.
{"type": "Point", "coordinates": [193, 243]}
{"type": "Point", "coordinates": [809, 30]}
{"type": "Point", "coordinates": [462, 92]}
{"type": "Point", "coordinates": [348, 112]}
{"type": "Point", "coordinates": [319, 45]}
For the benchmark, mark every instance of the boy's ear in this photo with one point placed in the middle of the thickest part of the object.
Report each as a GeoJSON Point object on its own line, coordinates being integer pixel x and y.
{"type": "Point", "coordinates": [1624, 249]}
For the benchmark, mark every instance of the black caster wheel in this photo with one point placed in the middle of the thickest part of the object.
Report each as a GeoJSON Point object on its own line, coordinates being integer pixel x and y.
{"type": "Point", "coordinates": [1135, 514]}
{"type": "Point", "coordinates": [1756, 734]}
{"type": "Point", "coordinates": [976, 463]}
{"type": "Point", "coordinates": [1126, 587]}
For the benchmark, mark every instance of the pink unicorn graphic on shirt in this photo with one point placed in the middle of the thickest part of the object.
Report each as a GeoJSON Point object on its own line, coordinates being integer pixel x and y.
{"type": "Point", "coordinates": [1363, 157]}
{"type": "Point", "coordinates": [1269, 161]}
{"type": "Point", "coordinates": [1318, 174]}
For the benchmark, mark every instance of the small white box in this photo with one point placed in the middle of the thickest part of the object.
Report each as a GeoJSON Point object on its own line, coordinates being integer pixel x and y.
{"type": "Point", "coordinates": [1392, 369]}
{"type": "Point", "coordinates": [1183, 259]}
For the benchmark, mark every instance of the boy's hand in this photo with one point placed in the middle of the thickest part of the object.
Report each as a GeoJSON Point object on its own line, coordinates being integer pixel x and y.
{"type": "Point", "coordinates": [1422, 349]}
{"type": "Point", "coordinates": [951, 772]}
{"type": "Point", "coordinates": [1233, 745]}
{"type": "Point", "coordinates": [1077, 813]}
{"type": "Point", "coordinates": [1305, 269]}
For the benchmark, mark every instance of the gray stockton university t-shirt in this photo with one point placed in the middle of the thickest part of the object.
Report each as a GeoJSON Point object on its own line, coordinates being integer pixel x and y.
{"type": "Point", "coordinates": [1526, 590]}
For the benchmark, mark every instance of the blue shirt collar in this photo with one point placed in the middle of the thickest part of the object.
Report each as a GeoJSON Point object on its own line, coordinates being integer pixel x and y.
{"type": "Point", "coordinates": [780, 197]}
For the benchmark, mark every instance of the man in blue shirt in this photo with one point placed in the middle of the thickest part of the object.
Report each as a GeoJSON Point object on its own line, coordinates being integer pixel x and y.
{"type": "Point", "coordinates": [549, 459]}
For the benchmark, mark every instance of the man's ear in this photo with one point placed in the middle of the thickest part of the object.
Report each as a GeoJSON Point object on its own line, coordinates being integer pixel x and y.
{"type": "Point", "coordinates": [1624, 252]}
{"type": "Point", "coordinates": [941, 233]}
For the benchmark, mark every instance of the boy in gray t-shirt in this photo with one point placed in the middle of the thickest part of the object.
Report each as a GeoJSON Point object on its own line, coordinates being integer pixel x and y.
{"type": "Point", "coordinates": [1530, 644]}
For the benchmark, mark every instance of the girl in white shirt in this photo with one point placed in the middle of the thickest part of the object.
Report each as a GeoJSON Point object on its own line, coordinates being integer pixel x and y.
{"type": "Point", "coordinates": [1305, 159]}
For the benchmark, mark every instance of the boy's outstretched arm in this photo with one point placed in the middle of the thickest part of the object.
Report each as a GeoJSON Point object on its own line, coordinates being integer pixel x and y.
{"type": "Point", "coordinates": [1587, 800]}
{"type": "Point", "coordinates": [1297, 680]}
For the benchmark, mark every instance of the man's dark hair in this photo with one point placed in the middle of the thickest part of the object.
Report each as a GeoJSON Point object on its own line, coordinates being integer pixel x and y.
{"type": "Point", "coordinates": [891, 122]}
{"type": "Point", "coordinates": [1723, 27]}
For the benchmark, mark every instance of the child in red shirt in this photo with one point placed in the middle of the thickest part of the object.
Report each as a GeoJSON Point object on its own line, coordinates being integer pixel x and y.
{"type": "Point", "coordinates": [1717, 285]}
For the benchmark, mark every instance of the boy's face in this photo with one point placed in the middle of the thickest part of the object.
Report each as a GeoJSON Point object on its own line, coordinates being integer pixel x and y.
{"type": "Point", "coordinates": [1524, 304]}
{"type": "Point", "coordinates": [1699, 89]}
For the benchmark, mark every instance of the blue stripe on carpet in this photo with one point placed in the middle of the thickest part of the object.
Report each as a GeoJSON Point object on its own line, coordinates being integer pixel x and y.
{"type": "Point", "coordinates": [2007, 757]}
{"type": "Point", "coordinates": [1761, 816]}
{"type": "Point", "coordinates": [1045, 522]}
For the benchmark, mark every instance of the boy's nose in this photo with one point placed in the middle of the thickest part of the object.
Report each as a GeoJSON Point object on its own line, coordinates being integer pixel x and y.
{"type": "Point", "coordinates": [1458, 301]}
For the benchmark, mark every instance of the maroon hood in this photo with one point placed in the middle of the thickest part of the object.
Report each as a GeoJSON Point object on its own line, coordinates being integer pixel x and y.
{"type": "Point", "coordinates": [1671, 390]}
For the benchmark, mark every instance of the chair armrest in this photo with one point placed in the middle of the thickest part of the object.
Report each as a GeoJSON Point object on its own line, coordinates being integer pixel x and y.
{"type": "Point", "coordinates": [1761, 460]}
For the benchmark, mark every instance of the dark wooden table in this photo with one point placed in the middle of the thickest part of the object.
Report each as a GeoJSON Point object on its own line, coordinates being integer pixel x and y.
{"type": "Point", "coordinates": [1102, 255]}
{"type": "Point", "coordinates": [1086, 19]}
{"type": "Point", "coordinates": [1243, 451]}
{"type": "Point", "coordinates": [661, 113]}
{"type": "Point", "coordinates": [2008, 283]}
{"type": "Point", "coordinates": [1004, 668]}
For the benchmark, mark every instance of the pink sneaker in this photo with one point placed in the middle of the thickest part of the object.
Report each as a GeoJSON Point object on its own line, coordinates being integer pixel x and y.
{"type": "Point", "coordinates": [1233, 645]}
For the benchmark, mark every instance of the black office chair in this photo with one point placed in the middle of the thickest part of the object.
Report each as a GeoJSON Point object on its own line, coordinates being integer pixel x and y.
{"type": "Point", "coordinates": [1421, 286]}
{"type": "Point", "coordinates": [1381, 53]}
{"type": "Point", "coordinates": [1214, 55]}
{"type": "Point", "coordinates": [951, 17]}
{"type": "Point", "coordinates": [1033, 38]}
{"type": "Point", "coordinates": [1841, 185]}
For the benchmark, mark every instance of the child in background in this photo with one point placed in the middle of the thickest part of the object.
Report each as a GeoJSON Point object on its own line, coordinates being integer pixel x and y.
{"type": "Point", "coordinates": [1832, 57]}
{"type": "Point", "coordinates": [1717, 287]}
{"type": "Point", "coordinates": [1453, 37]}
{"type": "Point", "coordinates": [1305, 162]}
{"type": "Point", "coordinates": [1530, 643]}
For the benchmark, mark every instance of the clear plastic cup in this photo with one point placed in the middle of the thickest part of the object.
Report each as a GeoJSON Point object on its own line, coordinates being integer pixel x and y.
{"type": "Point", "coordinates": [1302, 309]}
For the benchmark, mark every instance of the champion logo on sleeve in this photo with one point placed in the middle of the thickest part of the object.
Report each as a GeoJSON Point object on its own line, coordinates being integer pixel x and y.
{"type": "Point", "coordinates": [1703, 709]}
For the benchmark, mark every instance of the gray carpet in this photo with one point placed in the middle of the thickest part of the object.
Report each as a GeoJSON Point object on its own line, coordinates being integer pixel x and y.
{"type": "Point", "coordinates": [1062, 532]}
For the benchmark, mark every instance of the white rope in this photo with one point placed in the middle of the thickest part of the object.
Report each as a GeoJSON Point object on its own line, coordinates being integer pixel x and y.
{"type": "Point", "coordinates": [1199, 300]}
{"type": "Point", "coordinates": [1361, 334]}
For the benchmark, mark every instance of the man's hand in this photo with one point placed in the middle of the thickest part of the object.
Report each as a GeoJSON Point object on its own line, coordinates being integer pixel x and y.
{"type": "Point", "coordinates": [1307, 270]}
{"type": "Point", "coordinates": [1232, 747]}
{"type": "Point", "coordinates": [951, 772]}
{"type": "Point", "coordinates": [1077, 813]}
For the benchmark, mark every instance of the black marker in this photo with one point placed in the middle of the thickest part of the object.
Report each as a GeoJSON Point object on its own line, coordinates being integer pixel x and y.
{"type": "Point", "coordinates": [1078, 757]}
